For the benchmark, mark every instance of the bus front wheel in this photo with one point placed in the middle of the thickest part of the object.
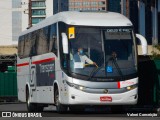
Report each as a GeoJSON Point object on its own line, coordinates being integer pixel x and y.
{"type": "Point", "coordinates": [30, 106]}
{"type": "Point", "coordinates": [60, 108]}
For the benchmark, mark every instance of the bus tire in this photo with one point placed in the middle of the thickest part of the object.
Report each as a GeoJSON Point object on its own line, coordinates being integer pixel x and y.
{"type": "Point", "coordinates": [76, 109]}
{"type": "Point", "coordinates": [39, 108]}
{"type": "Point", "coordinates": [117, 109]}
{"type": "Point", "coordinates": [60, 108]}
{"type": "Point", "coordinates": [31, 107]}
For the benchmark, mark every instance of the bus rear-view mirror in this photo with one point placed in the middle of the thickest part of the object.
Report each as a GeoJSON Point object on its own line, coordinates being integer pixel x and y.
{"type": "Point", "coordinates": [143, 42]}
{"type": "Point", "coordinates": [65, 43]}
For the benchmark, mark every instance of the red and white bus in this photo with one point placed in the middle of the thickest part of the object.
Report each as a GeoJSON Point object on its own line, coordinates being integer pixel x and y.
{"type": "Point", "coordinates": [48, 73]}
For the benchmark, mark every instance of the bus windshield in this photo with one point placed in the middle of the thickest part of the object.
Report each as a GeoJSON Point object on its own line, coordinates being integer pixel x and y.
{"type": "Point", "coordinates": [98, 52]}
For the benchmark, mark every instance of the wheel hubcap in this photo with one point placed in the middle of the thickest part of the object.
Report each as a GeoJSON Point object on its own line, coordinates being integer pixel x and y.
{"type": "Point", "coordinates": [57, 99]}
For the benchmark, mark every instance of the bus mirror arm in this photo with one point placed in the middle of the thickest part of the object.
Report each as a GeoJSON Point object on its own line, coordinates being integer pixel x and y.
{"type": "Point", "coordinates": [65, 43]}
{"type": "Point", "coordinates": [143, 44]}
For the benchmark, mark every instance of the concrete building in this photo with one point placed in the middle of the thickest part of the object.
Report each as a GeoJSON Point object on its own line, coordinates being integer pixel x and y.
{"type": "Point", "coordinates": [60, 5]}
{"type": "Point", "coordinates": [11, 26]}
{"type": "Point", "coordinates": [145, 15]}
{"type": "Point", "coordinates": [10, 22]}
{"type": "Point", "coordinates": [87, 5]}
{"type": "Point", "coordinates": [41, 9]}
{"type": "Point", "coordinates": [14, 18]}
{"type": "Point", "coordinates": [35, 11]}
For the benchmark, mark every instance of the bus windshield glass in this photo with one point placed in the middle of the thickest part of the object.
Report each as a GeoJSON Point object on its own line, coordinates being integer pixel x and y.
{"type": "Point", "coordinates": [97, 52]}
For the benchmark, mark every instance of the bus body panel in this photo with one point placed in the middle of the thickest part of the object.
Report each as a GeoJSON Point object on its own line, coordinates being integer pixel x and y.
{"type": "Point", "coordinates": [42, 92]}
{"type": "Point", "coordinates": [22, 77]}
{"type": "Point", "coordinates": [82, 98]}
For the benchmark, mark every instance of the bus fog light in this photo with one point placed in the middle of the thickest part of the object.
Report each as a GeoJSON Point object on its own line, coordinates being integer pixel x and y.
{"type": "Point", "coordinates": [73, 97]}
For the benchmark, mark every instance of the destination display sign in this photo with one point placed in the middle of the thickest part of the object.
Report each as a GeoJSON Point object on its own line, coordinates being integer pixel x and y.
{"type": "Point", "coordinates": [124, 34]}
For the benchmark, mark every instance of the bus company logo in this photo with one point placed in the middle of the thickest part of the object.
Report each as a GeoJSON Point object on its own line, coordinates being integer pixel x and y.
{"type": "Point", "coordinates": [128, 82]}
{"type": "Point", "coordinates": [6, 114]}
{"type": "Point", "coordinates": [105, 91]}
{"type": "Point", "coordinates": [46, 68]}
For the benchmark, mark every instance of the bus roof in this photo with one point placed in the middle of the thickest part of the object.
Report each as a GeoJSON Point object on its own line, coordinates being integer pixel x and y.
{"type": "Point", "coordinates": [109, 19]}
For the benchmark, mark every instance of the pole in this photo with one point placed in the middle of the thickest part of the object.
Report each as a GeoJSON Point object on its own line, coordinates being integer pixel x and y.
{"type": "Point", "coordinates": [122, 7]}
{"type": "Point", "coordinates": [156, 40]}
{"type": "Point", "coordinates": [29, 14]}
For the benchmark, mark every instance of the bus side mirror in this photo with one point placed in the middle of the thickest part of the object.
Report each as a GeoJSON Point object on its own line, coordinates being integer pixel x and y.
{"type": "Point", "coordinates": [65, 43]}
{"type": "Point", "coordinates": [143, 44]}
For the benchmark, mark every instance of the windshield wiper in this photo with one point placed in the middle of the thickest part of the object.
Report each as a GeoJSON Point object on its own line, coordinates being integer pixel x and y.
{"type": "Point", "coordinates": [95, 70]}
{"type": "Point", "coordinates": [117, 66]}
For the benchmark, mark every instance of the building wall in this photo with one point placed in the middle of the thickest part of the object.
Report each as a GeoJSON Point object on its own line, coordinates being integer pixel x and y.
{"type": "Point", "coordinates": [24, 11]}
{"type": "Point", "coordinates": [87, 5]}
{"type": "Point", "coordinates": [10, 21]}
{"type": "Point", "coordinates": [60, 5]}
{"type": "Point", "coordinates": [47, 7]}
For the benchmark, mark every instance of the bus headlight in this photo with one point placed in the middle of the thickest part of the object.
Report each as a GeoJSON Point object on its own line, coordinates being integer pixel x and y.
{"type": "Point", "coordinates": [128, 88]}
{"type": "Point", "coordinates": [79, 87]}
{"type": "Point", "coordinates": [131, 87]}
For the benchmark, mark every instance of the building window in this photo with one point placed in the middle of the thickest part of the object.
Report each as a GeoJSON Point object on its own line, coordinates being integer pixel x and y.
{"type": "Point", "coordinates": [78, 3]}
{"type": "Point", "coordinates": [72, 3]}
{"type": "Point", "coordinates": [86, 3]}
{"type": "Point", "coordinates": [103, 8]}
{"type": "Point", "coordinates": [38, 4]}
{"type": "Point", "coordinates": [114, 5]}
{"type": "Point", "coordinates": [101, 3]}
{"type": "Point", "coordinates": [37, 20]}
{"type": "Point", "coordinates": [38, 12]}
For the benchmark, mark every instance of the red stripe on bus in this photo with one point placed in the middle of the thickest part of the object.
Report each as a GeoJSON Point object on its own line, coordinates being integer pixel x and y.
{"type": "Point", "coordinates": [22, 64]}
{"type": "Point", "coordinates": [36, 62]}
{"type": "Point", "coordinates": [43, 61]}
{"type": "Point", "coordinates": [118, 85]}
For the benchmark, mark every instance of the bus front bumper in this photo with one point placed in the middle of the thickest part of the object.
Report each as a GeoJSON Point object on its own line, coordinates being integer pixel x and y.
{"type": "Point", "coordinates": [78, 97]}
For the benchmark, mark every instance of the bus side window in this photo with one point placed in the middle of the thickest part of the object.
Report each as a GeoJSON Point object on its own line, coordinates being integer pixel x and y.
{"type": "Point", "coordinates": [42, 46]}
{"type": "Point", "coordinates": [21, 47]}
{"type": "Point", "coordinates": [27, 45]}
{"type": "Point", "coordinates": [53, 39]}
{"type": "Point", "coordinates": [33, 44]}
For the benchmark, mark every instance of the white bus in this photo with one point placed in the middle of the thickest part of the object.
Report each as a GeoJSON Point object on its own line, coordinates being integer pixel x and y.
{"type": "Point", "coordinates": [75, 59]}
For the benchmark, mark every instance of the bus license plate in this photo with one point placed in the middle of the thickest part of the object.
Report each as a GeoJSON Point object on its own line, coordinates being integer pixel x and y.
{"type": "Point", "coordinates": [106, 99]}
